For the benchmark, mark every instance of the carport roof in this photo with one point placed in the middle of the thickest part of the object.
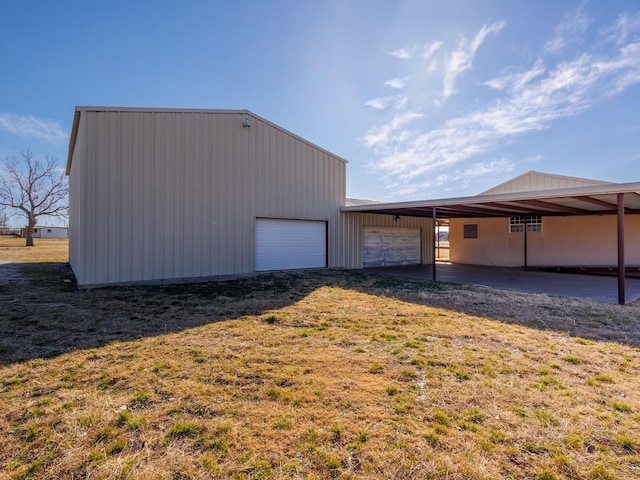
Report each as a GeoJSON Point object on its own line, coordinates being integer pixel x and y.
{"type": "Point", "coordinates": [589, 200]}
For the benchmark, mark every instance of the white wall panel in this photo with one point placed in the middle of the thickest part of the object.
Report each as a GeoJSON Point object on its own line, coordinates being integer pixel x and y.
{"type": "Point", "coordinates": [167, 194]}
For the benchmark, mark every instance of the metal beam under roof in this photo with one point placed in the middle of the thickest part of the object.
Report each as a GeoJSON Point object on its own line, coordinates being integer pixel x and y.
{"type": "Point", "coordinates": [593, 199]}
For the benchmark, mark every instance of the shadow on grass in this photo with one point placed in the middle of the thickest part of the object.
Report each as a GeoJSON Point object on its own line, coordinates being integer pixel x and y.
{"type": "Point", "coordinates": [44, 315]}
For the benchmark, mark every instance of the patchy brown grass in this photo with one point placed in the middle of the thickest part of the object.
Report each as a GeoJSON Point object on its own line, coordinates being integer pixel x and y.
{"type": "Point", "coordinates": [13, 249]}
{"type": "Point", "coordinates": [316, 375]}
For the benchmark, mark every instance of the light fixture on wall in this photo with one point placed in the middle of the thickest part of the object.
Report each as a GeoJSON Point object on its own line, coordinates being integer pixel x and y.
{"type": "Point", "coordinates": [397, 218]}
{"type": "Point", "coordinates": [247, 122]}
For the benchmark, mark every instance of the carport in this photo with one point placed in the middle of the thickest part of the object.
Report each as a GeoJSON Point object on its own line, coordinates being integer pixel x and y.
{"type": "Point", "coordinates": [601, 288]}
{"type": "Point", "coordinates": [619, 199]}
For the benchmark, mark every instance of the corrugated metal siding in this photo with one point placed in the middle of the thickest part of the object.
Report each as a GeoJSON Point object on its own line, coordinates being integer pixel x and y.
{"type": "Point", "coordinates": [75, 206]}
{"type": "Point", "coordinates": [162, 195]}
{"type": "Point", "coordinates": [353, 234]}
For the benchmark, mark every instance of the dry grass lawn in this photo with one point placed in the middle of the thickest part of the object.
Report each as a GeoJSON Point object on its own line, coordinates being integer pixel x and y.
{"type": "Point", "coordinates": [13, 249]}
{"type": "Point", "coordinates": [319, 375]}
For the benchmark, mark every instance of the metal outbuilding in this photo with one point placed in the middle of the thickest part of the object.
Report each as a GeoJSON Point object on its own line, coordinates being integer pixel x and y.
{"type": "Point", "coordinates": [175, 194]}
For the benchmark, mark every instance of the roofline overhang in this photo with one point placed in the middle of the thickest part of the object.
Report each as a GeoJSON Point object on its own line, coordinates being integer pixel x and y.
{"type": "Point", "coordinates": [482, 201]}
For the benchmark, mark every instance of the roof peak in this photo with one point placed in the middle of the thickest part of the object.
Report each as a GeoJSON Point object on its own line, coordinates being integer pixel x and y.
{"type": "Point", "coordinates": [535, 181]}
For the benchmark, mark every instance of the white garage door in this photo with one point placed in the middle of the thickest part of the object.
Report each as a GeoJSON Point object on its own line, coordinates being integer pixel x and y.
{"type": "Point", "coordinates": [386, 246]}
{"type": "Point", "coordinates": [290, 244]}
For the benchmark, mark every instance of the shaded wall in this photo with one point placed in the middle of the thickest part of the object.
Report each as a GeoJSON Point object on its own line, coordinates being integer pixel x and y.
{"type": "Point", "coordinates": [564, 241]}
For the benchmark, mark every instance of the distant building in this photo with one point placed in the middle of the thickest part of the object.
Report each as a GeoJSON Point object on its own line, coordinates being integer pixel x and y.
{"type": "Point", "coordinates": [47, 232]}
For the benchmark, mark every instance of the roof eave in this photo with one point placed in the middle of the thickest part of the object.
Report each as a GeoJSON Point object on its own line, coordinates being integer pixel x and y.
{"type": "Point", "coordinates": [606, 189]}
{"type": "Point", "coordinates": [72, 139]}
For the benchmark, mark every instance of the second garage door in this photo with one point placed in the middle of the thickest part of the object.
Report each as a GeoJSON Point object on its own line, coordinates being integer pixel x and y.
{"type": "Point", "coordinates": [290, 244]}
{"type": "Point", "coordinates": [387, 246]}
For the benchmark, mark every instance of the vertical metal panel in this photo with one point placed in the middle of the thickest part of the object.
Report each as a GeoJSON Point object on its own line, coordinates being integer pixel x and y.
{"type": "Point", "coordinates": [77, 208]}
{"type": "Point", "coordinates": [171, 194]}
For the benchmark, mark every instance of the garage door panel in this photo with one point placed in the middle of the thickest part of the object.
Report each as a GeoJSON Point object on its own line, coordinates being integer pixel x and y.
{"type": "Point", "coordinates": [290, 244]}
{"type": "Point", "coordinates": [388, 246]}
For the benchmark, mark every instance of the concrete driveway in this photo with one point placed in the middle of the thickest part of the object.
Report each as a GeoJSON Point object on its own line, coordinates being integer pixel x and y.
{"type": "Point", "coordinates": [596, 287]}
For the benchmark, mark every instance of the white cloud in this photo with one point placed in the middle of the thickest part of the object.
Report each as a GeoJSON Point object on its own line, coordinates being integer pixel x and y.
{"type": "Point", "coordinates": [381, 136]}
{"type": "Point", "coordinates": [429, 56]}
{"type": "Point", "coordinates": [410, 153]}
{"type": "Point", "coordinates": [482, 169]}
{"type": "Point", "coordinates": [627, 26]}
{"type": "Point", "coordinates": [29, 126]}
{"type": "Point", "coordinates": [461, 59]}
{"type": "Point", "coordinates": [517, 78]}
{"type": "Point", "coordinates": [531, 100]}
{"type": "Point", "coordinates": [398, 82]}
{"type": "Point", "coordinates": [404, 53]}
{"type": "Point", "coordinates": [379, 103]}
{"type": "Point", "coordinates": [383, 103]}
{"type": "Point", "coordinates": [570, 31]}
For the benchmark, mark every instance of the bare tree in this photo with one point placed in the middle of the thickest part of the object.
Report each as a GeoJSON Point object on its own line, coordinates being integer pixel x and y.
{"type": "Point", "coordinates": [33, 187]}
{"type": "Point", "coordinates": [4, 222]}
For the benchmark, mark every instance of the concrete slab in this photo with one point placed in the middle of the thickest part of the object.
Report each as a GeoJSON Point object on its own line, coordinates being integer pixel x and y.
{"type": "Point", "coordinates": [596, 287]}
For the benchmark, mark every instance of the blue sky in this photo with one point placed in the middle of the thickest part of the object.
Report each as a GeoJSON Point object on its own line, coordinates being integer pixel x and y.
{"type": "Point", "coordinates": [425, 99]}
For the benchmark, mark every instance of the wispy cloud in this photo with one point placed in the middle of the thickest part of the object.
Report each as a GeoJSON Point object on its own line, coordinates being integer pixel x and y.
{"type": "Point", "coordinates": [384, 103]}
{"type": "Point", "coordinates": [404, 53]}
{"type": "Point", "coordinates": [452, 181]}
{"type": "Point", "coordinates": [483, 169]}
{"type": "Point", "coordinates": [380, 137]}
{"type": "Point", "coordinates": [29, 126]}
{"type": "Point", "coordinates": [379, 103]}
{"type": "Point", "coordinates": [414, 155]}
{"type": "Point", "coordinates": [461, 59]}
{"type": "Point", "coordinates": [569, 32]}
{"type": "Point", "coordinates": [531, 100]}
{"type": "Point", "coordinates": [627, 27]}
{"type": "Point", "coordinates": [517, 79]}
{"type": "Point", "coordinates": [398, 82]}
{"type": "Point", "coordinates": [430, 55]}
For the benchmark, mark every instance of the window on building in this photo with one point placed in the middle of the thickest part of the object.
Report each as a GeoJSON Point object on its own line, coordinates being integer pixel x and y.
{"type": "Point", "coordinates": [471, 230]}
{"type": "Point", "coordinates": [534, 224]}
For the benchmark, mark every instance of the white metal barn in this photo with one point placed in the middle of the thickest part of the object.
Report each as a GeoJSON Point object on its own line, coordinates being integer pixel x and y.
{"type": "Point", "coordinates": [49, 232]}
{"type": "Point", "coordinates": [168, 195]}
